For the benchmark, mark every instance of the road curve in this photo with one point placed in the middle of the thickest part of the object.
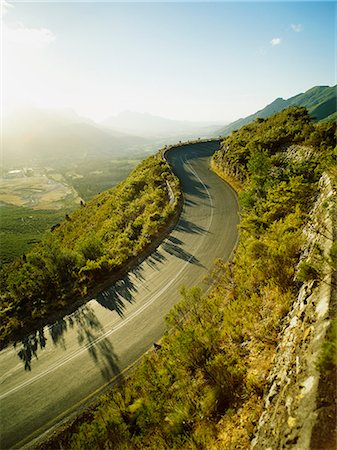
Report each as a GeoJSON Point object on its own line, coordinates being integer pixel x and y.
{"type": "Point", "coordinates": [45, 378]}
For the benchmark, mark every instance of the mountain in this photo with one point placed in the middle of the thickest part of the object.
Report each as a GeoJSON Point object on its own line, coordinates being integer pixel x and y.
{"type": "Point", "coordinates": [321, 102]}
{"type": "Point", "coordinates": [38, 135]}
{"type": "Point", "coordinates": [147, 125]}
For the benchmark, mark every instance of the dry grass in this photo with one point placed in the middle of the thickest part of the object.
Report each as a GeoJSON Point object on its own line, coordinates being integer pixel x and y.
{"type": "Point", "coordinates": [236, 185]}
{"type": "Point", "coordinates": [236, 429]}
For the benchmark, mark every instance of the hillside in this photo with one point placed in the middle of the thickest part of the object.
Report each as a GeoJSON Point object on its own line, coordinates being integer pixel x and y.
{"type": "Point", "coordinates": [91, 244]}
{"type": "Point", "coordinates": [150, 126]}
{"type": "Point", "coordinates": [204, 387]}
{"type": "Point", "coordinates": [320, 101]}
{"type": "Point", "coordinates": [51, 137]}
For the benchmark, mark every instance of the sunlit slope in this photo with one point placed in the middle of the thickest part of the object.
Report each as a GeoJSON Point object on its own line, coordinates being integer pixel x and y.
{"type": "Point", "coordinates": [204, 387]}
{"type": "Point", "coordinates": [321, 102]}
{"type": "Point", "coordinates": [95, 241]}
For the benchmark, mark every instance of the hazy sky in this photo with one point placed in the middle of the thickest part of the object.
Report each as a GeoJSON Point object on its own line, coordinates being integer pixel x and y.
{"type": "Point", "coordinates": [194, 61]}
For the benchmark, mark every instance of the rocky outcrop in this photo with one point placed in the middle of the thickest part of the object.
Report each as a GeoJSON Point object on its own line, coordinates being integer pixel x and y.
{"type": "Point", "coordinates": [291, 400]}
{"type": "Point", "coordinates": [232, 172]}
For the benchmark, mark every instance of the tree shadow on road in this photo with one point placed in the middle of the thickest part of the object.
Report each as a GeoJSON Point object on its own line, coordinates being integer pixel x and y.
{"type": "Point", "coordinates": [155, 259]}
{"type": "Point", "coordinates": [99, 347]}
{"type": "Point", "coordinates": [114, 297]}
{"type": "Point", "coordinates": [192, 187]}
{"type": "Point", "coordinates": [29, 347]}
{"type": "Point", "coordinates": [57, 332]}
{"type": "Point", "coordinates": [190, 202]}
{"type": "Point", "coordinates": [173, 247]}
{"type": "Point", "coordinates": [90, 336]}
{"type": "Point", "coordinates": [190, 227]}
{"type": "Point", "coordinates": [89, 329]}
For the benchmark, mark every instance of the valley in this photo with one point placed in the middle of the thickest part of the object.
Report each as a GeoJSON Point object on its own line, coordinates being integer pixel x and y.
{"type": "Point", "coordinates": [40, 189]}
{"type": "Point", "coordinates": [34, 199]}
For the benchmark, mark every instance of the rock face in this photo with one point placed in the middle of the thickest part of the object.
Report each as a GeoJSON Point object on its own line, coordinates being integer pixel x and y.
{"type": "Point", "coordinates": [291, 408]}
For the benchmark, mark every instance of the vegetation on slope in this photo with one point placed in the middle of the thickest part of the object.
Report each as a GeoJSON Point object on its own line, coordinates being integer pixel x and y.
{"type": "Point", "coordinates": [96, 241]}
{"type": "Point", "coordinates": [203, 387]}
{"type": "Point", "coordinates": [23, 226]}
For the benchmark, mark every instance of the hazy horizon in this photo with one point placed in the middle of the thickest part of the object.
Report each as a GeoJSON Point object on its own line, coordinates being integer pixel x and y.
{"type": "Point", "coordinates": [200, 62]}
{"type": "Point", "coordinates": [68, 112]}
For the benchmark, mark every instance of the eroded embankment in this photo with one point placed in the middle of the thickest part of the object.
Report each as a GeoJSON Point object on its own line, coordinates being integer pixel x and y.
{"type": "Point", "coordinates": [297, 413]}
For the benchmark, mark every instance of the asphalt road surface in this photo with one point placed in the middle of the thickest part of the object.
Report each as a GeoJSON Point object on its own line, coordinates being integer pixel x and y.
{"type": "Point", "coordinates": [47, 376]}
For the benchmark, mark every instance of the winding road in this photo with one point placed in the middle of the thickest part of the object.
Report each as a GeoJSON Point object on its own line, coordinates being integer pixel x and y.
{"type": "Point", "coordinates": [46, 377]}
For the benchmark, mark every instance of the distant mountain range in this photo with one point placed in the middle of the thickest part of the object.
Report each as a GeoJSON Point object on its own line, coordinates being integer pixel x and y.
{"type": "Point", "coordinates": [51, 136]}
{"type": "Point", "coordinates": [321, 102]}
{"type": "Point", "coordinates": [149, 126]}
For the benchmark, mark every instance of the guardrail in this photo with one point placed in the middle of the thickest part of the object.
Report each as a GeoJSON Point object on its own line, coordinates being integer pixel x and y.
{"type": "Point", "coordinates": [167, 148]}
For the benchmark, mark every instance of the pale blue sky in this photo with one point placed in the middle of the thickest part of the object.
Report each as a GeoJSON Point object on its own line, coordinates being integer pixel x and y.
{"type": "Point", "coordinates": [193, 61]}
